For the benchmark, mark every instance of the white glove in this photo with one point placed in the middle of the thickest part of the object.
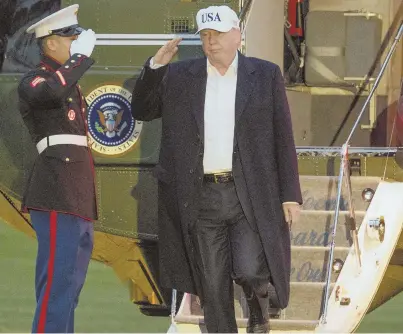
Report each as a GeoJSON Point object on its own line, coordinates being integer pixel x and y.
{"type": "Point", "coordinates": [84, 44]}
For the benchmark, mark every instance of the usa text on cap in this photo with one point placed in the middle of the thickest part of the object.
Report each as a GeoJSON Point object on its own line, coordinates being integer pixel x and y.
{"type": "Point", "coordinates": [63, 22]}
{"type": "Point", "coordinates": [220, 18]}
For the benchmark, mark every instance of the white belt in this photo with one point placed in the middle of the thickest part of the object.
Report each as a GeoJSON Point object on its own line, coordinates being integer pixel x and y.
{"type": "Point", "coordinates": [60, 140]}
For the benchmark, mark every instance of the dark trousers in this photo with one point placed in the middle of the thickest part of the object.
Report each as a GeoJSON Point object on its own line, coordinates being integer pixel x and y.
{"type": "Point", "coordinates": [227, 249]}
{"type": "Point", "coordinates": [65, 244]}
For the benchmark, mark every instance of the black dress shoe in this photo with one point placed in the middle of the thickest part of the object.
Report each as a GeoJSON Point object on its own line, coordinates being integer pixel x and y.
{"type": "Point", "coordinates": [257, 326]}
{"type": "Point", "coordinates": [258, 321]}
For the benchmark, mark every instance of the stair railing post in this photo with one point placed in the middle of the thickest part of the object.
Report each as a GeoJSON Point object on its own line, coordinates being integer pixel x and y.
{"type": "Point", "coordinates": [336, 219]}
{"type": "Point", "coordinates": [353, 225]}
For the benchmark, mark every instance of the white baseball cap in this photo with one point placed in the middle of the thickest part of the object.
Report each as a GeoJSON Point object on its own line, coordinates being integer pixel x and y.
{"type": "Point", "coordinates": [220, 18]}
{"type": "Point", "coordinates": [63, 22]}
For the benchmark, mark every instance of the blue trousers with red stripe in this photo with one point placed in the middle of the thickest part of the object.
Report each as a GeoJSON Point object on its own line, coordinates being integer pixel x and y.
{"type": "Point", "coordinates": [65, 244]}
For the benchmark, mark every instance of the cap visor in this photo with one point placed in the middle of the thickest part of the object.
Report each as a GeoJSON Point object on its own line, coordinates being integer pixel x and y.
{"type": "Point", "coordinates": [69, 31]}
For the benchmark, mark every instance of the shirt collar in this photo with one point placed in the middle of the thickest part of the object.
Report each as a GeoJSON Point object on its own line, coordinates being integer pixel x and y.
{"type": "Point", "coordinates": [233, 68]}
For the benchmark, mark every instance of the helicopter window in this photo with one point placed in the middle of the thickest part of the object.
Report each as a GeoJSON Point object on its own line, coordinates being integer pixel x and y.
{"type": "Point", "coordinates": [19, 52]}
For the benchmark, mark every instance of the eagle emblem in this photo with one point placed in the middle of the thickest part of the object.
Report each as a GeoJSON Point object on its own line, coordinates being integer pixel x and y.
{"type": "Point", "coordinates": [111, 127]}
{"type": "Point", "coordinates": [110, 122]}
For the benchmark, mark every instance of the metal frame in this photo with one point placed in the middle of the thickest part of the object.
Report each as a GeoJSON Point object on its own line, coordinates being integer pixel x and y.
{"type": "Point", "coordinates": [335, 151]}
{"type": "Point", "coordinates": [246, 8]}
{"type": "Point", "coordinates": [145, 39]}
{"type": "Point", "coordinates": [345, 169]}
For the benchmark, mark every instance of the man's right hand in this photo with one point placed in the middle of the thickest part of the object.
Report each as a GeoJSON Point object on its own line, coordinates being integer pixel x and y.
{"type": "Point", "coordinates": [167, 52]}
{"type": "Point", "coordinates": [84, 44]}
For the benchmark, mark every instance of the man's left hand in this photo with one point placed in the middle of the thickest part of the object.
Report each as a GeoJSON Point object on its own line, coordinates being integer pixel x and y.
{"type": "Point", "coordinates": [292, 212]}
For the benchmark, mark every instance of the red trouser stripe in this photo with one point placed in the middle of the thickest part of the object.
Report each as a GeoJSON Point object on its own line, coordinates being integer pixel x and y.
{"type": "Point", "coordinates": [51, 267]}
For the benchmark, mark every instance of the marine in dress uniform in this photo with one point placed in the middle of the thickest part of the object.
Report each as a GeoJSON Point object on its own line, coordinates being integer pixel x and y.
{"type": "Point", "coordinates": [227, 171]}
{"type": "Point", "coordinates": [60, 194]}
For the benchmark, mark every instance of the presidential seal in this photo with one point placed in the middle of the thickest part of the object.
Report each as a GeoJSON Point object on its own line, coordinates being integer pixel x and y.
{"type": "Point", "coordinates": [112, 129]}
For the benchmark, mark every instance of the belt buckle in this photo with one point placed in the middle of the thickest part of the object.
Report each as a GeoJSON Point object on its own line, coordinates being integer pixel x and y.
{"type": "Point", "coordinates": [218, 174]}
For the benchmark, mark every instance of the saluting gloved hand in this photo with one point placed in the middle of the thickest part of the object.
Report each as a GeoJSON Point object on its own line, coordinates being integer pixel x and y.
{"type": "Point", "coordinates": [84, 44]}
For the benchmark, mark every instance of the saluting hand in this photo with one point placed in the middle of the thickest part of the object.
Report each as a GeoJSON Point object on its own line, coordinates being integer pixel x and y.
{"type": "Point", "coordinates": [292, 212]}
{"type": "Point", "coordinates": [167, 52]}
{"type": "Point", "coordinates": [84, 44]}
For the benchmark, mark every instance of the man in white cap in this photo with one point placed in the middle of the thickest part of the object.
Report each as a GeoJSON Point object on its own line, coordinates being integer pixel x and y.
{"type": "Point", "coordinates": [228, 175]}
{"type": "Point", "coordinates": [60, 195]}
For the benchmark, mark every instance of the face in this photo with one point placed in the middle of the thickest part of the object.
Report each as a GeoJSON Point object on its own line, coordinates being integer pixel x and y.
{"type": "Point", "coordinates": [220, 46]}
{"type": "Point", "coordinates": [58, 47]}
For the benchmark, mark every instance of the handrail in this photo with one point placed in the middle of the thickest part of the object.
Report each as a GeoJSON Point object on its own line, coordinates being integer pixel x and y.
{"type": "Point", "coordinates": [147, 39]}
{"type": "Point", "coordinates": [344, 169]}
{"type": "Point", "coordinates": [357, 149]}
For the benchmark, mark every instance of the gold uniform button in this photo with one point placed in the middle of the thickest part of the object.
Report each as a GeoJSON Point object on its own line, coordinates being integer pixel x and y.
{"type": "Point", "coordinates": [67, 159]}
{"type": "Point", "coordinates": [70, 99]}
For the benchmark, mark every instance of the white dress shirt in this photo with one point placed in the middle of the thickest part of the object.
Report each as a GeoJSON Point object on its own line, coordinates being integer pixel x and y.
{"type": "Point", "coordinates": [219, 118]}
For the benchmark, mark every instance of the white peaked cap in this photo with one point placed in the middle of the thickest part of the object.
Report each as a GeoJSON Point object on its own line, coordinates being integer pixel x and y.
{"type": "Point", "coordinates": [63, 18]}
{"type": "Point", "coordinates": [220, 18]}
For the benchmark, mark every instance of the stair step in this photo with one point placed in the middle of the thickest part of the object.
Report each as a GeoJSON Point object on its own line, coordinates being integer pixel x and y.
{"type": "Point", "coordinates": [288, 325]}
{"type": "Point", "coordinates": [308, 275]}
{"type": "Point", "coordinates": [305, 301]}
{"type": "Point", "coordinates": [275, 325]}
{"type": "Point", "coordinates": [315, 228]}
{"type": "Point", "coordinates": [320, 192]}
{"type": "Point", "coordinates": [302, 295]}
{"type": "Point", "coordinates": [309, 264]}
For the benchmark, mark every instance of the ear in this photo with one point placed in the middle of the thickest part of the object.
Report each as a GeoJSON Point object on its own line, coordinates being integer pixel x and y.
{"type": "Point", "coordinates": [51, 44]}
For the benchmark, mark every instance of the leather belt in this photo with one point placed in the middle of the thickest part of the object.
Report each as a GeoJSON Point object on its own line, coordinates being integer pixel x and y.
{"type": "Point", "coordinates": [61, 140]}
{"type": "Point", "coordinates": [223, 177]}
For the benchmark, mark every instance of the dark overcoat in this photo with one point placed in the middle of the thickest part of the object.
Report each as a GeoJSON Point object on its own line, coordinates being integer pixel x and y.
{"type": "Point", "coordinates": [264, 161]}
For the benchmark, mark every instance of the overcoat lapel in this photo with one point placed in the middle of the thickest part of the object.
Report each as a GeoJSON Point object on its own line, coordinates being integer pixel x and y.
{"type": "Point", "coordinates": [197, 91]}
{"type": "Point", "coordinates": [245, 84]}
